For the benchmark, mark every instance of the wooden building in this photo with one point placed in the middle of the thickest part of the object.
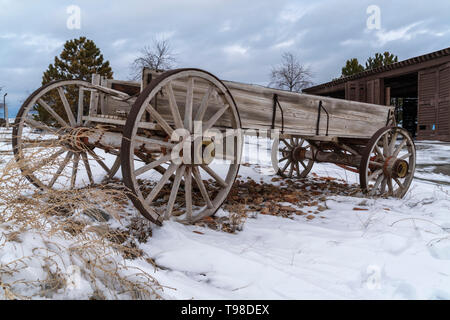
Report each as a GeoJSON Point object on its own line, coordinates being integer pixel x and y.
{"type": "Point", "coordinates": [419, 87]}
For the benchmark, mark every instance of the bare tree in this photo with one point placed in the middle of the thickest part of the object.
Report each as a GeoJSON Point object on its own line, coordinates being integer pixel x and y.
{"type": "Point", "coordinates": [158, 56]}
{"type": "Point", "coordinates": [290, 74]}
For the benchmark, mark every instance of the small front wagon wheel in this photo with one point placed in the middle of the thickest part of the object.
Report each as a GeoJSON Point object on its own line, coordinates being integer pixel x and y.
{"type": "Point", "coordinates": [182, 103]}
{"type": "Point", "coordinates": [292, 162]}
{"type": "Point", "coordinates": [388, 163]}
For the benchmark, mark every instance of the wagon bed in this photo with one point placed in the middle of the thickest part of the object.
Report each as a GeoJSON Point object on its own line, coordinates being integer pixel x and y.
{"type": "Point", "coordinates": [290, 112]}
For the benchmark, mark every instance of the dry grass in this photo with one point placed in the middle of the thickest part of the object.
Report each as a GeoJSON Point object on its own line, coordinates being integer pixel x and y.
{"type": "Point", "coordinates": [66, 239]}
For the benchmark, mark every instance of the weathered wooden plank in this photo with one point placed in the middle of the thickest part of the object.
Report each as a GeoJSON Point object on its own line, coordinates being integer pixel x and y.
{"type": "Point", "coordinates": [255, 105]}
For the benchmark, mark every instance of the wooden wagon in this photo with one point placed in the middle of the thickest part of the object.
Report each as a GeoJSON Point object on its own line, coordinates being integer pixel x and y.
{"type": "Point", "coordinates": [174, 126]}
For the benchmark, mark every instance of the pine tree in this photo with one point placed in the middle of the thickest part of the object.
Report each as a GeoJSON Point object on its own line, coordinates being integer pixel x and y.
{"type": "Point", "coordinates": [352, 67]}
{"type": "Point", "coordinates": [79, 59]}
{"type": "Point", "coordinates": [381, 60]}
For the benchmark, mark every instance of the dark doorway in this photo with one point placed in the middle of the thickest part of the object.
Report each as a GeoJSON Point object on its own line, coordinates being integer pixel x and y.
{"type": "Point", "coordinates": [404, 94]}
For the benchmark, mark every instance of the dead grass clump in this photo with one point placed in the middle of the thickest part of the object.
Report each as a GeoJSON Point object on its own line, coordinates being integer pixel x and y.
{"type": "Point", "coordinates": [71, 254]}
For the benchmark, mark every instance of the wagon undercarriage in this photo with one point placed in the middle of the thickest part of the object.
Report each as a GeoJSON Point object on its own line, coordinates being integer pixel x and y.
{"type": "Point", "coordinates": [184, 129]}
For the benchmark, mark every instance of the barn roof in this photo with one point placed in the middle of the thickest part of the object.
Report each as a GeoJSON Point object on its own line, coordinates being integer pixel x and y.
{"type": "Point", "coordinates": [393, 66]}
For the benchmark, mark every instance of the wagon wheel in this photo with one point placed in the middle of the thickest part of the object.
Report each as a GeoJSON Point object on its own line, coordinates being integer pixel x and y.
{"type": "Point", "coordinates": [388, 163]}
{"type": "Point", "coordinates": [292, 162]}
{"type": "Point", "coordinates": [48, 148]}
{"type": "Point", "coordinates": [197, 102]}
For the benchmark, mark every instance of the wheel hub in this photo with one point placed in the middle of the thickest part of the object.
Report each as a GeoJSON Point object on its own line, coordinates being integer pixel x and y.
{"type": "Point", "coordinates": [299, 153]}
{"type": "Point", "coordinates": [396, 168]}
{"type": "Point", "coordinates": [400, 168]}
{"type": "Point", "coordinates": [77, 141]}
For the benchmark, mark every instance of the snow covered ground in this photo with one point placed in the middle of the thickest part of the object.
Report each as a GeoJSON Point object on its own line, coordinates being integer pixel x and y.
{"type": "Point", "coordinates": [391, 249]}
{"type": "Point", "coordinates": [397, 249]}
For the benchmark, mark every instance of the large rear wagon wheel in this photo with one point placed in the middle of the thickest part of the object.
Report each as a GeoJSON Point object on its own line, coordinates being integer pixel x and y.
{"type": "Point", "coordinates": [165, 182]}
{"type": "Point", "coordinates": [45, 143]}
{"type": "Point", "coordinates": [388, 163]}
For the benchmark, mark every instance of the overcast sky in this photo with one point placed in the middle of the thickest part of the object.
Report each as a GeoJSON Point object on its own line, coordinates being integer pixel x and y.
{"type": "Point", "coordinates": [236, 40]}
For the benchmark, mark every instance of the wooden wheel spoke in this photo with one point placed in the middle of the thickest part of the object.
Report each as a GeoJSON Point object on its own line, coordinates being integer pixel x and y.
{"type": "Point", "coordinates": [88, 167]}
{"type": "Point", "coordinates": [286, 165]}
{"type": "Point", "coordinates": [174, 107]}
{"type": "Point", "coordinates": [48, 160]}
{"type": "Point", "coordinates": [99, 161]}
{"type": "Point", "coordinates": [375, 174]}
{"type": "Point", "coordinates": [398, 149]}
{"type": "Point", "coordinates": [303, 164]}
{"type": "Point", "coordinates": [291, 169]}
{"type": "Point", "coordinates": [390, 187]}
{"type": "Point", "coordinates": [379, 152]}
{"type": "Point", "coordinates": [204, 104]}
{"type": "Point", "coordinates": [73, 178]}
{"type": "Point", "coordinates": [37, 125]}
{"type": "Point", "coordinates": [50, 110]}
{"type": "Point", "coordinates": [393, 142]}
{"type": "Point", "coordinates": [376, 164]}
{"type": "Point", "coordinates": [213, 174]}
{"type": "Point", "coordinates": [403, 157]}
{"type": "Point", "coordinates": [287, 144]}
{"type": "Point", "coordinates": [188, 192]}
{"type": "Point", "coordinates": [189, 104]}
{"type": "Point", "coordinates": [302, 141]}
{"type": "Point", "coordinates": [61, 168]}
{"type": "Point", "coordinates": [152, 165]}
{"type": "Point", "coordinates": [163, 123]}
{"type": "Point", "coordinates": [297, 169]}
{"type": "Point", "coordinates": [383, 184]}
{"type": "Point", "coordinates": [155, 191]}
{"type": "Point", "coordinates": [385, 146]}
{"type": "Point", "coordinates": [113, 169]}
{"type": "Point", "coordinates": [174, 191]}
{"type": "Point", "coordinates": [201, 186]}
{"type": "Point", "coordinates": [66, 105]}
{"type": "Point", "coordinates": [215, 118]}
{"type": "Point", "coordinates": [80, 105]}
{"type": "Point", "coordinates": [399, 183]}
{"type": "Point", "coordinates": [377, 184]}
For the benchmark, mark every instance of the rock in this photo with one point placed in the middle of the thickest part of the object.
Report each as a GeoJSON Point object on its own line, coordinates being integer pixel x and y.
{"type": "Point", "coordinates": [97, 214]}
{"type": "Point", "coordinates": [310, 217]}
{"type": "Point", "coordinates": [288, 209]}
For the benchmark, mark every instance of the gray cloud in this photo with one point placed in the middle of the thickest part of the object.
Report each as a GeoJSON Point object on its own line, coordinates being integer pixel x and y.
{"type": "Point", "coordinates": [236, 40]}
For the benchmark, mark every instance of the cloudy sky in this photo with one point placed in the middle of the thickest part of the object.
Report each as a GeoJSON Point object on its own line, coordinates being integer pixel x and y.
{"type": "Point", "coordinates": [236, 40]}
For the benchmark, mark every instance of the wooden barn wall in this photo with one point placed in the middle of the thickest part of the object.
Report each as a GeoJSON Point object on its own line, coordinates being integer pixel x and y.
{"type": "Point", "coordinates": [434, 104]}
{"type": "Point", "coordinates": [444, 102]}
{"type": "Point", "coordinates": [369, 91]}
